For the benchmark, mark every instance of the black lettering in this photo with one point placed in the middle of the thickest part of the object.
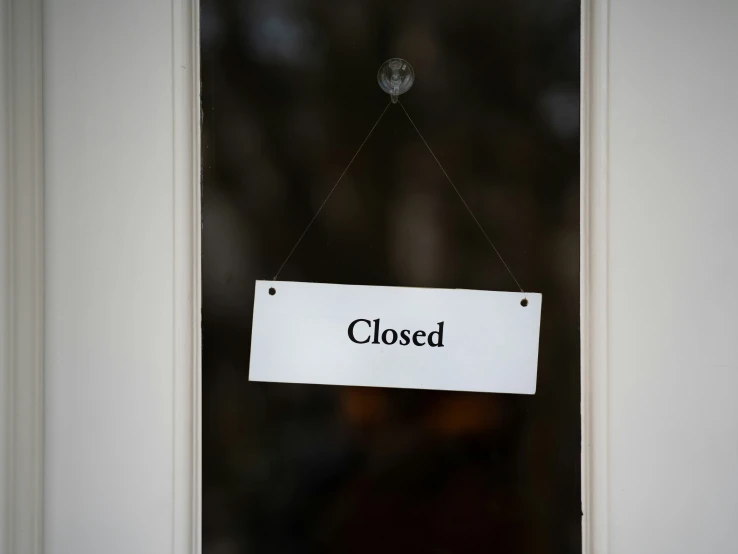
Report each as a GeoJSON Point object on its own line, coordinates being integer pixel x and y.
{"type": "Point", "coordinates": [351, 331]}
{"type": "Point", "coordinates": [390, 336]}
{"type": "Point", "coordinates": [394, 336]}
{"type": "Point", "coordinates": [438, 333]}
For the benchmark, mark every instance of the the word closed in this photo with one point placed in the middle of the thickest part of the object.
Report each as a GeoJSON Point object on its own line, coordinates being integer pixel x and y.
{"type": "Point", "coordinates": [362, 331]}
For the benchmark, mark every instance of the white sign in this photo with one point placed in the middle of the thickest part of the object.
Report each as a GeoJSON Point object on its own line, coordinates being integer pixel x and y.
{"type": "Point", "coordinates": [461, 340]}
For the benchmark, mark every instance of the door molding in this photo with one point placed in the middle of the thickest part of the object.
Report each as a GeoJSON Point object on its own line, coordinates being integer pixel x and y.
{"type": "Point", "coordinates": [187, 430]}
{"type": "Point", "coordinates": [594, 292]}
{"type": "Point", "coordinates": [21, 277]}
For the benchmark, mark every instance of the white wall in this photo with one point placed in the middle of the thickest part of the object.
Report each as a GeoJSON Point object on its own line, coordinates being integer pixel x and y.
{"type": "Point", "coordinates": [673, 259]}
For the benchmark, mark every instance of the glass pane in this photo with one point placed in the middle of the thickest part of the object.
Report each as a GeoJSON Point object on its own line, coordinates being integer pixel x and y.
{"type": "Point", "coordinates": [289, 92]}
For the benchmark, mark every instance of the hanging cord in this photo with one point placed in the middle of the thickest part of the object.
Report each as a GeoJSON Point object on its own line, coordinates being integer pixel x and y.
{"type": "Point", "coordinates": [471, 213]}
{"type": "Point", "coordinates": [331, 192]}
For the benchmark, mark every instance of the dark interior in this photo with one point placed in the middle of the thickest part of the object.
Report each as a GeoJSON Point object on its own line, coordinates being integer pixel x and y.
{"type": "Point", "coordinates": [289, 92]}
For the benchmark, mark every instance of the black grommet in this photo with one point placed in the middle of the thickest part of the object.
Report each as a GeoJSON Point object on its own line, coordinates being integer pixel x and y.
{"type": "Point", "coordinates": [272, 291]}
{"type": "Point", "coordinates": [524, 302]}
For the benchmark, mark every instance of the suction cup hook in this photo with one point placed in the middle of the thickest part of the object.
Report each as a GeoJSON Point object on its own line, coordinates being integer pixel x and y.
{"type": "Point", "coordinates": [395, 77]}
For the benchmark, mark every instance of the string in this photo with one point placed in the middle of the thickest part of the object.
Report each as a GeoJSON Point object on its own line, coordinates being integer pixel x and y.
{"type": "Point", "coordinates": [331, 192]}
{"type": "Point", "coordinates": [461, 197]}
{"type": "Point", "coordinates": [471, 213]}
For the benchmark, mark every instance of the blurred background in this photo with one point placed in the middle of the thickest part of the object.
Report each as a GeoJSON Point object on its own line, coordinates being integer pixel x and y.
{"type": "Point", "coordinates": [289, 92]}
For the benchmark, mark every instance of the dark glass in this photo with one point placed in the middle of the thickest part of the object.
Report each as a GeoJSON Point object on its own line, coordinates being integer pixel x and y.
{"type": "Point", "coordinates": [289, 92]}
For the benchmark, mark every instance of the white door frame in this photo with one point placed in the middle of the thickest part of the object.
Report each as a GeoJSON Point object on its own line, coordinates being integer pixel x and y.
{"type": "Point", "coordinates": [22, 276]}
{"type": "Point", "coordinates": [594, 273]}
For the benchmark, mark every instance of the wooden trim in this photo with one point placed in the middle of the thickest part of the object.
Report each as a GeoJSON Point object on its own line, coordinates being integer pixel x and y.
{"type": "Point", "coordinates": [594, 206]}
{"type": "Point", "coordinates": [186, 535]}
{"type": "Point", "coordinates": [22, 290]}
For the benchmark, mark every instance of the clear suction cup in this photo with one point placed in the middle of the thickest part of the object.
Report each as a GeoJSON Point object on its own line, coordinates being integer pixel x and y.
{"type": "Point", "coordinates": [395, 77]}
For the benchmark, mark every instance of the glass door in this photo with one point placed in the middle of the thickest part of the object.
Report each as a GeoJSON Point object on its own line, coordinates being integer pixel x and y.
{"type": "Point", "coordinates": [289, 92]}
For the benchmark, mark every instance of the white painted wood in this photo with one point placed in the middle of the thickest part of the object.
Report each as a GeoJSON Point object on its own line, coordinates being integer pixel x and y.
{"type": "Point", "coordinates": [122, 282]}
{"type": "Point", "coordinates": [187, 283]}
{"type": "Point", "coordinates": [594, 277]}
{"type": "Point", "coordinates": [21, 278]}
{"type": "Point", "coordinates": [660, 267]}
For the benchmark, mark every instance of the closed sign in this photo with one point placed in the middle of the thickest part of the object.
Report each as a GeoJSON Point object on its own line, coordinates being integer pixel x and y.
{"type": "Point", "coordinates": [462, 340]}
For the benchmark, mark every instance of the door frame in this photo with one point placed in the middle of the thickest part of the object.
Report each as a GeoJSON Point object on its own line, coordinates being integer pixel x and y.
{"type": "Point", "coordinates": [22, 276]}
{"type": "Point", "coordinates": [594, 268]}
